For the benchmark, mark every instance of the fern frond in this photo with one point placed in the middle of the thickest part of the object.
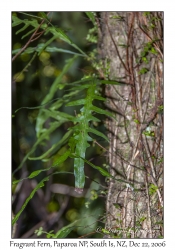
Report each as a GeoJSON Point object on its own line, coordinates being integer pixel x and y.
{"type": "Point", "coordinates": [81, 137]}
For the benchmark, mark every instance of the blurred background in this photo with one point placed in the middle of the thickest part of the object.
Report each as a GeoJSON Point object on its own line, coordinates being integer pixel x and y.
{"type": "Point", "coordinates": [55, 205]}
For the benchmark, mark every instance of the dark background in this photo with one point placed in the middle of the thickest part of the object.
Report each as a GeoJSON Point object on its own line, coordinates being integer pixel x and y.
{"type": "Point", "coordinates": [47, 208]}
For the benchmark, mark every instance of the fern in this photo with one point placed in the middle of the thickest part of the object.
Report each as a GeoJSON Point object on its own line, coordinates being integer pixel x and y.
{"type": "Point", "coordinates": [78, 137]}
{"type": "Point", "coordinates": [56, 33]}
{"type": "Point", "coordinates": [81, 137]}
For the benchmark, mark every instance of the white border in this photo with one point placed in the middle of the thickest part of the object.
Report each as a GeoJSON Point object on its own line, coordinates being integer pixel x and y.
{"type": "Point", "coordinates": [5, 98]}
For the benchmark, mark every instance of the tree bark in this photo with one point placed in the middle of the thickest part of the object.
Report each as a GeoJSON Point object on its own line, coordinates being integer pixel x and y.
{"type": "Point", "coordinates": [131, 49]}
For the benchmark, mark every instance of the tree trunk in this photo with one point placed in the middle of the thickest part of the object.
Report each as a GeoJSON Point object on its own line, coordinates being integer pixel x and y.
{"type": "Point", "coordinates": [131, 49]}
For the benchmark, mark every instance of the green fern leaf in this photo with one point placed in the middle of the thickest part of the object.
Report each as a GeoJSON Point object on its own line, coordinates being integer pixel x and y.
{"type": "Point", "coordinates": [54, 147]}
{"type": "Point", "coordinates": [96, 132]}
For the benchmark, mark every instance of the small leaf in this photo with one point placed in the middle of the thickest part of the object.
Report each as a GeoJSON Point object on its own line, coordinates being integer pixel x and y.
{"type": "Point", "coordinates": [83, 80]}
{"type": "Point", "coordinates": [153, 51]}
{"type": "Point", "coordinates": [97, 97]}
{"type": "Point", "coordinates": [54, 147]}
{"type": "Point", "coordinates": [93, 118]}
{"type": "Point", "coordinates": [35, 173]}
{"type": "Point", "coordinates": [28, 33]}
{"type": "Point", "coordinates": [23, 28]}
{"type": "Point", "coordinates": [136, 121]}
{"type": "Point", "coordinates": [117, 205]}
{"type": "Point", "coordinates": [143, 71]}
{"type": "Point", "coordinates": [144, 59]}
{"type": "Point", "coordinates": [100, 169]}
{"type": "Point", "coordinates": [149, 133]}
{"type": "Point", "coordinates": [60, 116]}
{"type": "Point", "coordinates": [102, 111]}
{"type": "Point", "coordinates": [80, 87]}
{"type": "Point", "coordinates": [17, 181]}
{"type": "Point", "coordinates": [39, 231]}
{"type": "Point", "coordinates": [118, 17]}
{"type": "Point", "coordinates": [152, 189]}
{"type": "Point", "coordinates": [61, 159]}
{"type": "Point", "coordinates": [64, 231]}
{"type": "Point", "coordinates": [16, 21]}
{"type": "Point", "coordinates": [77, 102]}
{"type": "Point", "coordinates": [105, 231]}
{"type": "Point", "coordinates": [96, 132]}
{"type": "Point", "coordinates": [91, 16]}
{"type": "Point", "coordinates": [61, 34]}
{"type": "Point", "coordinates": [45, 16]}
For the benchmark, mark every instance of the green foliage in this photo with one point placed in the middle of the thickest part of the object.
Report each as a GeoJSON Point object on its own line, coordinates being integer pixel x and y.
{"type": "Point", "coordinates": [160, 109]}
{"type": "Point", "coordinates": [118, 18]}
{"type": "Point", "coordinates": [92, 36]}
{"type": "Point", "coordinates": [92, 16]}
{"type": "Point", "coordinates": [80, 131]}
{"type": "Point", "coordinates": [77, 136]}
{"type": "Point", "coordinates": [148, 48]}
{"type": "Point", "coordinates": [52, 111]}
{"type": "Point", "coordinates": [103, 65]}
{"type": "Point", "coordinates": [152, 189]}
{"type": "Point", "coordinates": [143, 71]}
{"type": "Point", "coordinates": [147, 51]}
{"type": "Point", "coordinates": [38, 186]}
{"type": "Point", "coordinates": [94, 195]}
{"type": "Point", "coordinates": [136, 121]}
{"type": "Point", "coordinates": [56, 32]}
{"type": "Point", "coordinates": [62, 233]}
{"type": "Point", "coordinates": [40, 47]}
{"type": "Point", "coordinates": [149, 133]}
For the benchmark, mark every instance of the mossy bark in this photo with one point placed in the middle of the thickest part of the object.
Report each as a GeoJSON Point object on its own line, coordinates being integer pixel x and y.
{"type": "Point", "coordinates": [132, 43]}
